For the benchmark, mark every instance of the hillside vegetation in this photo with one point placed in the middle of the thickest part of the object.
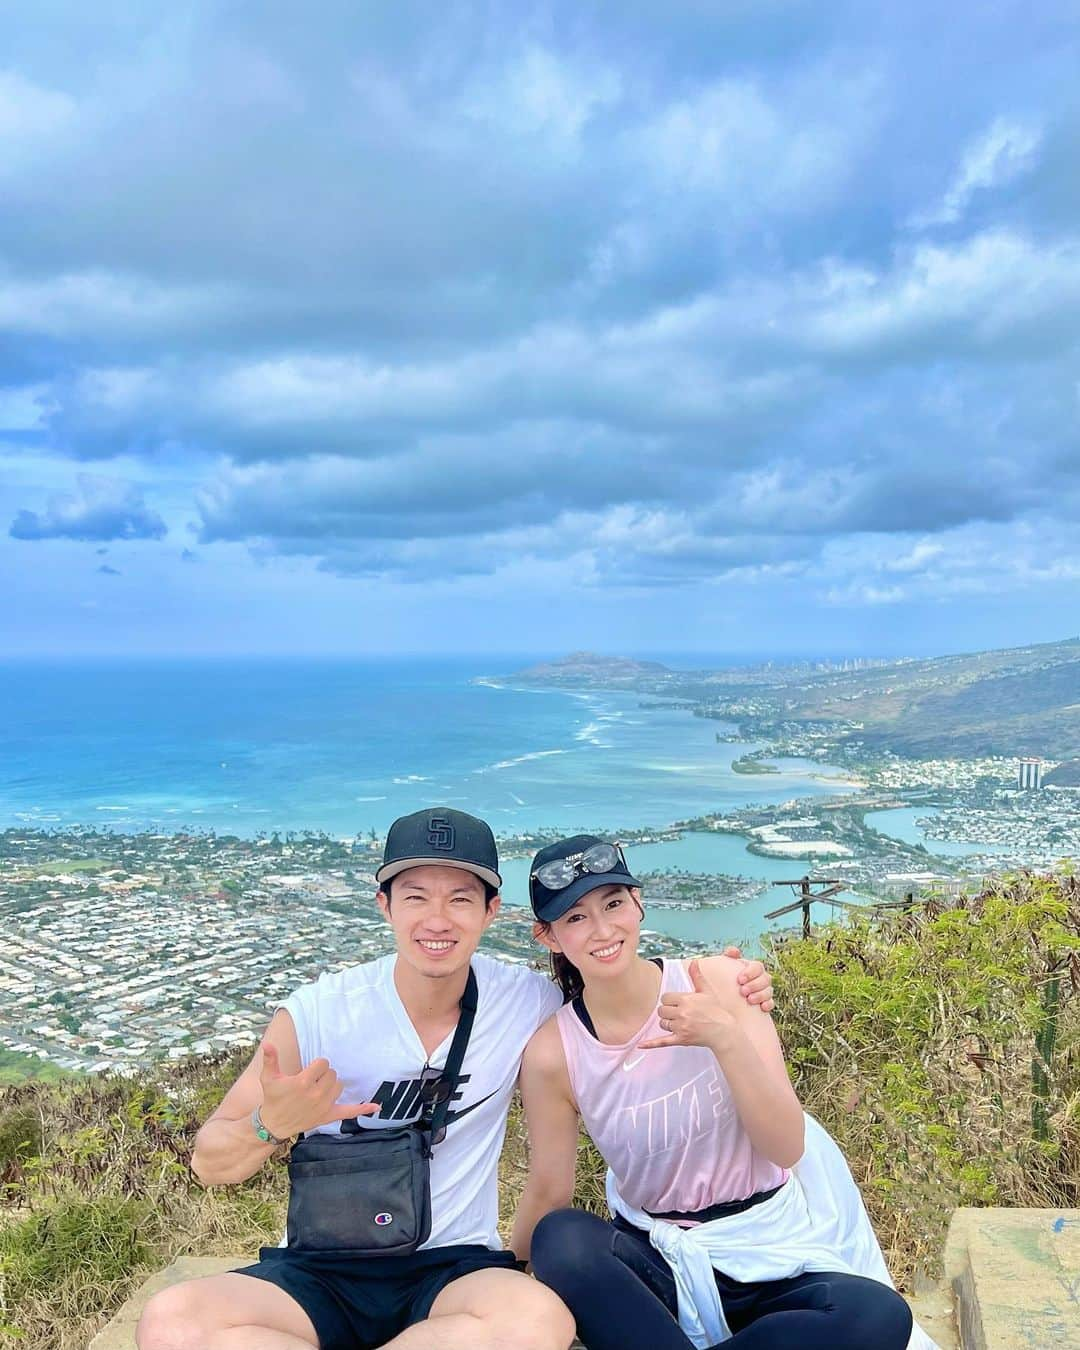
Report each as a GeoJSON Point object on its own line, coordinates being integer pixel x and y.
{"type": "Point", "coordinates": [941, 1049]}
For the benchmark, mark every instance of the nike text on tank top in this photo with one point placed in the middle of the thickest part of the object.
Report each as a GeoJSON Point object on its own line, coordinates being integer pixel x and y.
{"type": "Point", "coordinates": [664, 1120]}
{"type": "Point", "coordinates": [356, 1020]}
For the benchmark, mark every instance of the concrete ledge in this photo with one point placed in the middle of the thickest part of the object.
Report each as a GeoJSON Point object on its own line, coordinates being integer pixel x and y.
{"type": "Point", "coordinates": [1015, 1274]}
{"type": "Point", "coordinates": [934, 1312]}
{"type": "Point", "coordinates": [120, 1333]}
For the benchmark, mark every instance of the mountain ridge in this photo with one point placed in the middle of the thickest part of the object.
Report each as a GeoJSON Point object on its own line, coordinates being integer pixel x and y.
{"type": "Point", "coordinates": [1006, 701]}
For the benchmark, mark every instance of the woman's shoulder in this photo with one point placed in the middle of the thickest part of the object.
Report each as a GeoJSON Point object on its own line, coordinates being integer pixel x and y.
{"type": "Point", "coordinates": [544, 1052]}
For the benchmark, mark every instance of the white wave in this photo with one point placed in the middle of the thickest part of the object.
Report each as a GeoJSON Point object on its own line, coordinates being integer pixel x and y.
{"type": "Point", "coordinates": [590, 734]}
{"type": "Point", "coordinates": [517, 799]}
{"type": "Point", "coordinates": [413, 778]}
{"type": "Point", "coordinates": [519, 759]}
{"type": "Point", "coordinates": [540, 689]}
{"type": "Point", "coordinates": [112, 808]}
{"type": "Point", "coordinates": [369, 799]}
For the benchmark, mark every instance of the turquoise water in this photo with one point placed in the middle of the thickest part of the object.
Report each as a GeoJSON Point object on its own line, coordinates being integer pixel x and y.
{"type": "Point", "coordinates": [703, 853]}
{"type": "Point", "coordinates": [244, 747]}
{"type": "Point", "coordinates": [899, 823]}
{"type": "Point", "coordinates": [249, 747]}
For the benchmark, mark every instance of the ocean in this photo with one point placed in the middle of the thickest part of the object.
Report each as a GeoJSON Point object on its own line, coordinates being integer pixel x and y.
{"type": "Point", "coordinates": [245, 747]}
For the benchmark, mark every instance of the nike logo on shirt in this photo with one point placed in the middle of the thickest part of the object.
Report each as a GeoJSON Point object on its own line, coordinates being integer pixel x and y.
{"type": "Point", "coordinates": [629, 1064]}
{"type": "Point", "coordinates": [451, 1116]}
{"type": "Point", "coordinates": [401, 1101]}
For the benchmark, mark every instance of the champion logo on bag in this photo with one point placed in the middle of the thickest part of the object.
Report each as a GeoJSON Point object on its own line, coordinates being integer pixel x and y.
{"type": "Point", "coordinates": [383, 1219]}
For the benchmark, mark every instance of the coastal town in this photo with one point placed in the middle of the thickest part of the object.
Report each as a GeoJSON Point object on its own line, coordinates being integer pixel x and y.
{"type": "Point", "coordinates": [122, 949]}
{"type": "Point", "coordinates": [119, 950]}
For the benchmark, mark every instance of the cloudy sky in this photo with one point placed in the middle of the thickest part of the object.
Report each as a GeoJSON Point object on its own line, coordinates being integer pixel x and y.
{"type": "Point", "coordinates": [705, 325]}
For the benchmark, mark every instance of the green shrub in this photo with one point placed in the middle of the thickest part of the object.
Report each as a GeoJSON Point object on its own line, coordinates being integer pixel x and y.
{"type": "Point", "coordinates": [20, 1138]}
{"type": "Point", "coordinates": [939, 1049]}
{"type": "Point", "coordinates": [71, 1250]}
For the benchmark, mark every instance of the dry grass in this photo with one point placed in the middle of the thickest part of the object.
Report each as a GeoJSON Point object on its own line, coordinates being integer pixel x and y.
{"type": "Point", "coordinates": [913, 1043]}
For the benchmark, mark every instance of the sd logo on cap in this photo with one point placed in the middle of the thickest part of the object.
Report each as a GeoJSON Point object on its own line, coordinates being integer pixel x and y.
{"type": "Point", "coordinates": [444, 836]}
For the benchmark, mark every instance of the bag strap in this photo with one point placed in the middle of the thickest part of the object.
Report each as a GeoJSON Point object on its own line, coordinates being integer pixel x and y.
{"type": "Point", "coordinates": [457, 1049]}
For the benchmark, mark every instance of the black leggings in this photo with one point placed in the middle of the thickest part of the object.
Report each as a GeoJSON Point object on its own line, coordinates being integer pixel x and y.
{"type": "Point", "coordinates": [622, 1295]}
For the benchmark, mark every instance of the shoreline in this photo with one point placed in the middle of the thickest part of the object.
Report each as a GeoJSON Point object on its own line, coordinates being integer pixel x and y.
{"type": "Point", "coordinates": [841, 834]}
{"type": "Point", "coordinates": [745, 823]}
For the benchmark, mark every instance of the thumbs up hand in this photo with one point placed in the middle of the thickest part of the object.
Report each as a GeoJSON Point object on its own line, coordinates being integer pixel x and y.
{"type": "Point", "coordinates": [697, 1018]}
{"type": "Point", "coordinates": [294, 1103]}
{"type": "Point", "coordinates": [755, 982]}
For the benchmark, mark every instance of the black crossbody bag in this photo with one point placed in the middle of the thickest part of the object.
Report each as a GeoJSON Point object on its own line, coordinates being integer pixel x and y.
{"type": "Point", "coordinates": [369, 1194]}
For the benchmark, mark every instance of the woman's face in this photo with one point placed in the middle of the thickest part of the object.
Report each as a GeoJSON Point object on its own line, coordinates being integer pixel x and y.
{"type": "Point", "coordinates": [599, 934]}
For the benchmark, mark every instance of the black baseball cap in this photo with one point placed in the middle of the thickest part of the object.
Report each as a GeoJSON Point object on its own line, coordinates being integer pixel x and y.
{"type": "Point", "coordinates": [549, 905]}
{"type": "Point", "coordinates": [443, 836]}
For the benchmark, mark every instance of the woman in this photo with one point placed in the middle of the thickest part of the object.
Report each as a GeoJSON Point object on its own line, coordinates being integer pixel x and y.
{"type": "Point", "coordinates": [683, 1087]}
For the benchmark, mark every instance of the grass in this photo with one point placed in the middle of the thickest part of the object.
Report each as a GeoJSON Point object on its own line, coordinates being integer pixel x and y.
{"type": "Point", "coordinates": [916, 1043]}
{"type": "Point", "coordinates": [16, 1068]}
{"type": "Point", "coordinates": [58, 865]}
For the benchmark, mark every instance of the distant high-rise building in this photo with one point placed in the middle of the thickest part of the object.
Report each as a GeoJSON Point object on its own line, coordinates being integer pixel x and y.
{"type": "Point", "coordinates": [1030, 775]}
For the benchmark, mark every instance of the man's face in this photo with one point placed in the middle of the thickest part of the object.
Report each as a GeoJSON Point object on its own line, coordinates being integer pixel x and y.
{"type": "Point", "coordinates": [438, 916]}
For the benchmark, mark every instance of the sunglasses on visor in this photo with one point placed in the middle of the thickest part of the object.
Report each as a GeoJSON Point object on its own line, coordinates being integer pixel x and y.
{"type": "Point", "coordinates": [560, 872]}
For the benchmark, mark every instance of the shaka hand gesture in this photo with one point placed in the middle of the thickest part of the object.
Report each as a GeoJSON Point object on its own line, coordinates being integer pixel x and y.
{"type": "Point", "coordinates": [697, 1018]}
{"type": "Point", "coordinates": [295, 1103]}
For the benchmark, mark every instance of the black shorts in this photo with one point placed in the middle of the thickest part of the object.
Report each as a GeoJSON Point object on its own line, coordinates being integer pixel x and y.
{"type": "Point", "coordinates": [356, 1303]}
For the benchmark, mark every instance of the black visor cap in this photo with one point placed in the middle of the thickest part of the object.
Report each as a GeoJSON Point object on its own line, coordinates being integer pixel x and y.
{"type": "Point", "coordinates": [550, 905]}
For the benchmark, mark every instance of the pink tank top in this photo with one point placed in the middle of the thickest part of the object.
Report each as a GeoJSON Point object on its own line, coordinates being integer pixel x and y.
{"type": "Point", "coordinates": [663, 1120]}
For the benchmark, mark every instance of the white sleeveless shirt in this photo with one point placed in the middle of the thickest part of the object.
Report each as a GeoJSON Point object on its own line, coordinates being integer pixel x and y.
{"type": "Point", "coordinates": [356, 1020]}
{"type": "Point", "coordinates": [664, 1120]}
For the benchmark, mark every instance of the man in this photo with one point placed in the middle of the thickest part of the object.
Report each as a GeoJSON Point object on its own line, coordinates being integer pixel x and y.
{"type": "Point", "coordinates": [355, 1044]}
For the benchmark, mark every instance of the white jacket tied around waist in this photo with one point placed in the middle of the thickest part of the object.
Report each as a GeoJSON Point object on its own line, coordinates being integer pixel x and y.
{"type": "Point", "coordinates": [816, 1221]}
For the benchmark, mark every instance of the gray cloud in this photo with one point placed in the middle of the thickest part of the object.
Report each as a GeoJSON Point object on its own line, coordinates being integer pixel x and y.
{"type": "Point", "coordinates": [658, 293]}
{"type": "Point", "coordinates": [100, 508]}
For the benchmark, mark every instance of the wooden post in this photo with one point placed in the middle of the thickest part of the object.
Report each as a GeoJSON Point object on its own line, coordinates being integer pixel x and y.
{"type": "Point", "coordinates": [807, 898]}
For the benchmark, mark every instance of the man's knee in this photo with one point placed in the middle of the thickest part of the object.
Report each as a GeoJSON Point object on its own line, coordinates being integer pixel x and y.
{"type": "Point", "coordinates": [186, 1316]}
{"type": "Point", "coordinates": [539, 1320]}
{"type": "Point", "coordinates": [172, 1320]}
